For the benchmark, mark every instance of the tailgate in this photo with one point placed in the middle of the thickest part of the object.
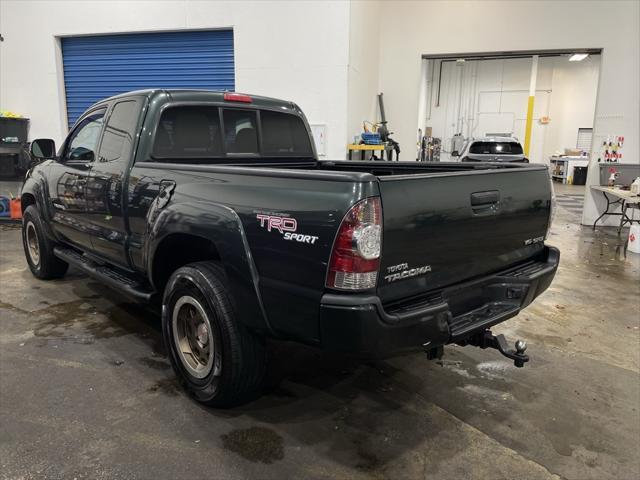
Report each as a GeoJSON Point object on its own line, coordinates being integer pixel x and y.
{"type": "Point", "coordinates": [444, 228]}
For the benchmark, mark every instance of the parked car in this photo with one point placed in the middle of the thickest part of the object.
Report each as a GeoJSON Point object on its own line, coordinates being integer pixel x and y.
{"type": "Point", "coordinates": [215, 206]}
{"type": "Point", "coordinates": [492, 149]}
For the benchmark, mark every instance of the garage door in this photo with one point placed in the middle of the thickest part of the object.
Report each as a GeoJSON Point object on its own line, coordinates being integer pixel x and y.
{"type": "Point", "coordinates": [96, 67]}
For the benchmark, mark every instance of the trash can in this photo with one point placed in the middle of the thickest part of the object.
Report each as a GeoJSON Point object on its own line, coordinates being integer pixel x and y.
{"type": "Point", "coordinates": [580, 175]}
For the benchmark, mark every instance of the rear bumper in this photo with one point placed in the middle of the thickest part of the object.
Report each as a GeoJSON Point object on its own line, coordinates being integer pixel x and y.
{"type": "Point", "coordinates": [360, 324]}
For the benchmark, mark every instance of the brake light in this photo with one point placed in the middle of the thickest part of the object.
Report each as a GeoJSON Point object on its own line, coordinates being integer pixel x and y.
{"type": "Point", "coordinates": [355, 258]}
{"type": "Point", "coordinates": [237, 97]}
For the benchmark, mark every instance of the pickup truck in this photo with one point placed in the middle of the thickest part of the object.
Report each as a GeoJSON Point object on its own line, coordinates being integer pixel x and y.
{"type": "Point", "coordinates": [215, 206]}
{"type": "Point", "coordinates": [493, 149]}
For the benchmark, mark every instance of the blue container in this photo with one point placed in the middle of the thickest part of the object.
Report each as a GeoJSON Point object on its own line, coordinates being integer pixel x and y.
{"type": "Point", "coordinates": [5, 207]}
{"type": "Point", "coordinates": [371, 138]}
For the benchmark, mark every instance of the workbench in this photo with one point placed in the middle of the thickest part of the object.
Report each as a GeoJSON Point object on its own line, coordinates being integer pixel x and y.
{"type": "Point", "coordinates": [352, 147]}
{"type": "Point", "coordinates": [617, 196]}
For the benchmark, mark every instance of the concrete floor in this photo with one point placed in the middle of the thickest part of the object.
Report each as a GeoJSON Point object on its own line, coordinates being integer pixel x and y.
{"type": "Point", "coordinates": [87, 392]}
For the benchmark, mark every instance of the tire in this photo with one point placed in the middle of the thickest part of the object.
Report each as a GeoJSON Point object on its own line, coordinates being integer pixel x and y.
{"type": "Point", "coordinates": [38, 248]}
{"type": "Point", "coordinates": [232, 371]}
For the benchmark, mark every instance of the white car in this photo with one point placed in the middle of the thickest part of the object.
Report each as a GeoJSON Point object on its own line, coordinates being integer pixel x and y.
{"type": "Point", "coordinates": [492, 149]}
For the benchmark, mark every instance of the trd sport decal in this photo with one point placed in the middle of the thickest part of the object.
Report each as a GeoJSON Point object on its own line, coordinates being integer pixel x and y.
{"type": "Point", "coordinates": [282, 224]}
{"type": "Point", "coordinates": [287, 226]}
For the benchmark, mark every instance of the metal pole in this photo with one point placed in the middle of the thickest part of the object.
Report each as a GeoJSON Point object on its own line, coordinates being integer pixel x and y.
{"type": "Point", "coordinates": [532, 96]}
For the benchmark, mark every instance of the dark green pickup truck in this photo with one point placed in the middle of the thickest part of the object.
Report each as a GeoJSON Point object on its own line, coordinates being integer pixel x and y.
{"type": "Point", "coordinates": [214, 204]}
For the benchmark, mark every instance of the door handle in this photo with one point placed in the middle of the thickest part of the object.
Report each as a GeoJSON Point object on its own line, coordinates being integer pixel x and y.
{"type": "Point", "coordinates": [484, 198]}
{"type": "Point", "coordinates": [485, 202]}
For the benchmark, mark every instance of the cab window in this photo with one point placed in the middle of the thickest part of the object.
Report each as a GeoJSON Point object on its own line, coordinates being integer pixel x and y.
{"type": "Point", "coordinates": [119, 132]}
{"type": "Point", "coordinates": [82, 143]}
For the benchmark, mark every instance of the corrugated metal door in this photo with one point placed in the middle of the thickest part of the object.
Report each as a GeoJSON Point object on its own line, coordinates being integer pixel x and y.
{"type": "Point", "coordinates": [100, 66]}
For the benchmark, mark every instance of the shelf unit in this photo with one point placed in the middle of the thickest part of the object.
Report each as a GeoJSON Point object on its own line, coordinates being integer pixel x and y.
{"type": "Point", "coordinates": [562, 167]}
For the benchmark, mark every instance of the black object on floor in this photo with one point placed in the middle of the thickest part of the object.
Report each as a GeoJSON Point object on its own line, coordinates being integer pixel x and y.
{"type": "Point", "coordinates": [579, 175]}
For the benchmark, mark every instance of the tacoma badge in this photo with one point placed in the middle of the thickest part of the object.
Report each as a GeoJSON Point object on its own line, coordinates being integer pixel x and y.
{"type": "Point", "coordinates": [403, 271]}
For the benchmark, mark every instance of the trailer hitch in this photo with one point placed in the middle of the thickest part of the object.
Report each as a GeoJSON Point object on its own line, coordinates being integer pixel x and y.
{"type": "Point", "coordinates": [486, 339]}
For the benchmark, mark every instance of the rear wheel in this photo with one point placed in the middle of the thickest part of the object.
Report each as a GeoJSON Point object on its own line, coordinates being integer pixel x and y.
{"type": "Point", "coordinates": [218, 360]}
{"type": "Point", "coordinates": [38, 249]}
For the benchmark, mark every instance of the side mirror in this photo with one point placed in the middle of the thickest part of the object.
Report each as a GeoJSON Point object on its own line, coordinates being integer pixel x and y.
{"type": "Point", "coordinates": [82, 154]}
{"type": "Point", "coordinates": [455, 153]}
{"type": "Point", "coordinates": [42, 148]}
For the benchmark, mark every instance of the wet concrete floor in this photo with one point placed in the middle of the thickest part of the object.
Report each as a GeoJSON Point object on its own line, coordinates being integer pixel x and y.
{"type": "Point", "coordinates": [86, 390]}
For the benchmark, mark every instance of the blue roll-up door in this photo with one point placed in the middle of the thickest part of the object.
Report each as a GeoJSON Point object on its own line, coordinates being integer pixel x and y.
{"type": "Point", "coordinates": [100, 66]}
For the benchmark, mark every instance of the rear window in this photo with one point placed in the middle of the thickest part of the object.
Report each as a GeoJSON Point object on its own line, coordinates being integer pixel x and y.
{"type": "Point", "coordinates": [496, 148]}
{"type": "Point", "coordinates": [188, 132]}
{"type": "Point", "coordinates": [240, 132]}
{"type": "Point", "coordinates": [284, 134]}
{"type": "Point", "coordinates": [194, 132]}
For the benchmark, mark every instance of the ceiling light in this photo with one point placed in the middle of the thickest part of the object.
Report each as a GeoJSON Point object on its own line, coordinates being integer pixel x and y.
{"type": "Point", "coordinates": [578, 57]}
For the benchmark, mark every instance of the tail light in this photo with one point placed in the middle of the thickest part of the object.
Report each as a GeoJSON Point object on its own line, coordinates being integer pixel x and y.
{"type": "Point", "coordinates": [355, 258]}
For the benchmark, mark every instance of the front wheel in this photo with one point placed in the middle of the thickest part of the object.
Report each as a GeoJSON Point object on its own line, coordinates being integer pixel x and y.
{"type": "Point", "coordinates": [38, 249]}
{"type": "Point", "coordinates": [219, 361]}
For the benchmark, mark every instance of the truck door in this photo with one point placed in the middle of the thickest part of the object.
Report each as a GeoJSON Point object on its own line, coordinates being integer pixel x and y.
{"type": "Point", "coordinates": [68, 179]}
{"type": "Point", "coordinates": [106, 210]}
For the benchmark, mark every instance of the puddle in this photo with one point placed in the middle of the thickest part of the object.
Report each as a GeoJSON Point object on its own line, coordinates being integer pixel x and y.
{"type": "Point", "coordinates": [369, 461]}
{"type": "Point", "coordinates": [58, 319]}
{"type": "Point", "coordinates": [257, 444]}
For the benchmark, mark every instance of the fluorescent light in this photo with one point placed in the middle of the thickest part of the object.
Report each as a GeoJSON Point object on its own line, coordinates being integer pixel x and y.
{"type": "Point", "coordinates": [578, 57]}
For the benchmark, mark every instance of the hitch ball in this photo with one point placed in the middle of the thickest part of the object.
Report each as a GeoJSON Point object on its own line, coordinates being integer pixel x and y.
{"type": "Point", "coordinates": [521, 346]}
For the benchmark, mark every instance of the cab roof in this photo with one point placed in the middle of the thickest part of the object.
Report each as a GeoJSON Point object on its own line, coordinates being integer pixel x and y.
{"type": "Point", "coordinates": [195, 95]}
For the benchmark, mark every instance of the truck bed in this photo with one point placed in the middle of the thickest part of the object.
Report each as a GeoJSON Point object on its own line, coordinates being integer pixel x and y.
{"type": "Point", "coordinates": [455, 221]}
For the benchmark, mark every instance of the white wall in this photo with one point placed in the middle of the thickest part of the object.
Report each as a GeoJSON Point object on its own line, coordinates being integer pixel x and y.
{"type": "Point", "coordinates": [479, 97]}
{"type": "Point", "coordinates": [411, 29]}
{"type": "Point", "coordinates": [364, 60]}
{"type": "Point", "coordinates": [573, 101]}
{"type": "Point", "coordinates": [292, 50]}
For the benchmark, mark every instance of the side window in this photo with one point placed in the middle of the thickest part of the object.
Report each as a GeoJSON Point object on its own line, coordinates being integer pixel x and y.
{"type": "Point", "coordinates": [188, 132]}
{"type": "Point", "coordinates": [284, 134]}
{"type": "Point", "coordinates": [119, 133]}
{"type": "Point", "coordinates": [82, 144]}
{"type": "Point", "coordinates": [240, 133]}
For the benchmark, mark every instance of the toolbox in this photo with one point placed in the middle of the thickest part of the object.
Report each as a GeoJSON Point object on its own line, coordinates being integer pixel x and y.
{"type": "Point", "coordinates": [369, 138]}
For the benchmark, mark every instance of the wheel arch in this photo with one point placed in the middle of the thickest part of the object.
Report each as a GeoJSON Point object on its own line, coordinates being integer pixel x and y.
{"type": "Point", "coordinates": [176, 250]}
{"type": "Point", "coordinates": [34, 193]}
{"type": "Point", "coordinates": [27, 199]}
{"type": "Point", "coordinates": [188, 233]}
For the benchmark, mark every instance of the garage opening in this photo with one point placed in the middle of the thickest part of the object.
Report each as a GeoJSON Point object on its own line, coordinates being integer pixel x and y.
{"type": "Point", "coordinates": [100, 66]}
{"type": "Point", "coordinates": [536, 107]}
